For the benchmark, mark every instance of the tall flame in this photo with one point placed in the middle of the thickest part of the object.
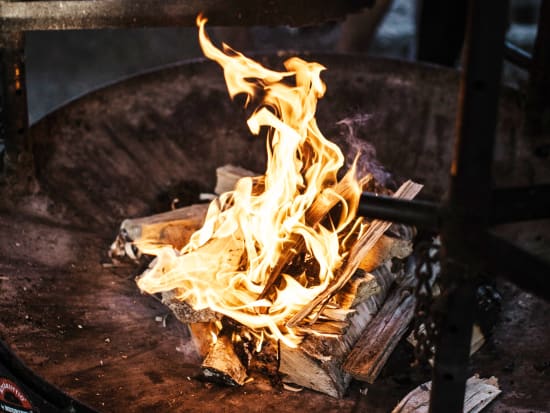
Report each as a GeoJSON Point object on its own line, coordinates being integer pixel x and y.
{"type": "Point", "coordinates": [227, 263]}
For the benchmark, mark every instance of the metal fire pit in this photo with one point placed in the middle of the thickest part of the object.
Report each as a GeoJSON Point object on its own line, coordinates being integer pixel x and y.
{"type": "Point", "coordinates": [128, 149]}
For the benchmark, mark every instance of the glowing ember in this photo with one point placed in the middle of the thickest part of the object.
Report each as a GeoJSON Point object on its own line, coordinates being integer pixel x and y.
{"type": "Point", "coordinates": [227, 264]}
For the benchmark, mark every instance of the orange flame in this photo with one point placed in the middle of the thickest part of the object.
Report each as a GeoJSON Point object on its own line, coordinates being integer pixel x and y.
{"type": "Point", "coordinates": [226, 264]}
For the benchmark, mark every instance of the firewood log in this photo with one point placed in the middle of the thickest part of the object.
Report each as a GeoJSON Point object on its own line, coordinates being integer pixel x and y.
{"type": "Point", "coordinates": [378, 341]}
{"type": "Point", "coordinates": [363, 284]}
{"type": "Point", "coordinates": [173, 227]}
{"type": "Point", "coordinates": [479, 393]}
{"type": "Point", "coordinates": [222, 363]}
{"type": "Point", "coordinates": [317, 362]}
{"type": "Point", "coordinates": [168, 228]}
{"type": "Point", "coordinates": [202, 337]}
{"type": "Point", "coordinates": [357, 254]}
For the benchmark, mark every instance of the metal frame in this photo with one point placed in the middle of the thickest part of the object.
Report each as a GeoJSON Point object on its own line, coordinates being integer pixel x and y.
{"type": "Point", "coordinates": [463, 218]}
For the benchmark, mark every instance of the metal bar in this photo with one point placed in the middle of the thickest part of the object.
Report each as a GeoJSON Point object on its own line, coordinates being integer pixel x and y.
{"type": "Point", "coordinates": [520, 204]}
{"type": "Point", "coordinates": [464, 228]}
{"type": "Point", "coordinates": [507, 205]}
{"type": "Point", "coordinates": [419, 213]}
{"type": "Point", "coordinates": [527, 271]}
{"type": "Point", "coordinates": [517, 55]}
{"type": "Point", "coordinates": [537, 108]}
{"type": "Point", "coordinates": [98, 14]}
{"type": "Point", "coordinates": [13, 105]}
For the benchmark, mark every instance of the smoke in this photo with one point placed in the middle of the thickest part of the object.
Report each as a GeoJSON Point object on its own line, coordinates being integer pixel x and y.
{"type": "Point", "coordinates": [367, 162]}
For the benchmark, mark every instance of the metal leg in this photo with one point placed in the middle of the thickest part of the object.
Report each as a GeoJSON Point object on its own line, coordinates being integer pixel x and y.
{"type": "Point", "coordinates": [464, 231]}
{"type": "Point", "coordinates": [537, 122]}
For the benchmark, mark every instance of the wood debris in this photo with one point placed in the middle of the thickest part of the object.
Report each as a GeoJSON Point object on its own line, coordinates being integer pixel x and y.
{"type": "Point", "coordinates": [479, 393]}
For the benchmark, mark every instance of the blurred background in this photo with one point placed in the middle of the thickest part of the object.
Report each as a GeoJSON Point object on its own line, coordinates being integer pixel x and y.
{"type": "Point", "coordinates": [65, 64]}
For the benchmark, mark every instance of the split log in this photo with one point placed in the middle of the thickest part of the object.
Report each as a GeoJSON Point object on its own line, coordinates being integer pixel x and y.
{"type": "Point", "coordinates": [168, 228]}
{"type": "Point", "coordinates": [222, 363]}
{"type": "Point", "coordinates": [479, 393]}
{"type": "Point", "coordinates": [362, 284]}
{"type": "Point", "coordinates": [317, 362]}
{"type": "Point", "coordinates": [357, 254]}
{"type": "Point", "coordinates": [173, 227]}
{"type": "Point", "coordinates": [387, 328]}
{"type": "Point", "coordinates": [227, 177]}
{"type": "Point", "coordinates": [185, 313]}
{"type": "Point", "coordinates": [201, 334]}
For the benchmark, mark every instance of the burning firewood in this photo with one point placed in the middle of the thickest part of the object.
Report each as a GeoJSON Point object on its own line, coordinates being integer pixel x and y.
{"type": "Point", "coordinates": [227, 177]}
{"type": "Point", "coordinates": [317, 362]}
{"type": "Point", "coordinates": [222, 363]}
{"type": "Point", "coordinates": [172, 227]}
{"type": "Point", "coordinates": [184, 312]}
{"type": "Point", "coordinates": [479, 393]}
{"type": "Point", "coordinates": [276, 256]}
{"type": "Point", "coordinates": [358, 253]}
{"type": "Point", "coordinates": [168, 228]}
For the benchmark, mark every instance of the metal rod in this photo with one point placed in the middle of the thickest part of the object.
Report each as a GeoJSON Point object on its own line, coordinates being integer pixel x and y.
{"type": "Point", "coordinates": [99, 14]}
{"type": "Point", "coordinates": [537, 107]}
{"type": "Point", "coordinates": [507, 205]}
{"type": "Point", "coordinates": [469, 199]}
{"type": "Point", "coordinates": [419, 213]}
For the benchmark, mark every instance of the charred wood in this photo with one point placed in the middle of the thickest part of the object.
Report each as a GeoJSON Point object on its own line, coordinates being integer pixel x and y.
{"type": "Point", "coordinates": [184, 312]}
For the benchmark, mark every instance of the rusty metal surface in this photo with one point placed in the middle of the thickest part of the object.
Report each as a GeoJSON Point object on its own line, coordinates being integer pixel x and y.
{"type": "Point", "coordinates": [176, 124]}
{"type": "Point", "coordinates": [88, 14]}
{"type": "Point", "coordinates": [123, 151]}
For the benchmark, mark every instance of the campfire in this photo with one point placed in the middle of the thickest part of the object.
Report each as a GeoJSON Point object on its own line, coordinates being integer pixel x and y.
{"type": "Point", "coordinates": [278, 274]}
{"type": "Point", "coordinates": [281, 257]}
{"type": "Point", "coordinates": [315, 292]}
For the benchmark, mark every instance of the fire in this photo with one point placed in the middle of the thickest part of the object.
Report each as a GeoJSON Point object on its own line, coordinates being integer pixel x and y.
{"type": "Point", "coordinates": [226, 265]}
